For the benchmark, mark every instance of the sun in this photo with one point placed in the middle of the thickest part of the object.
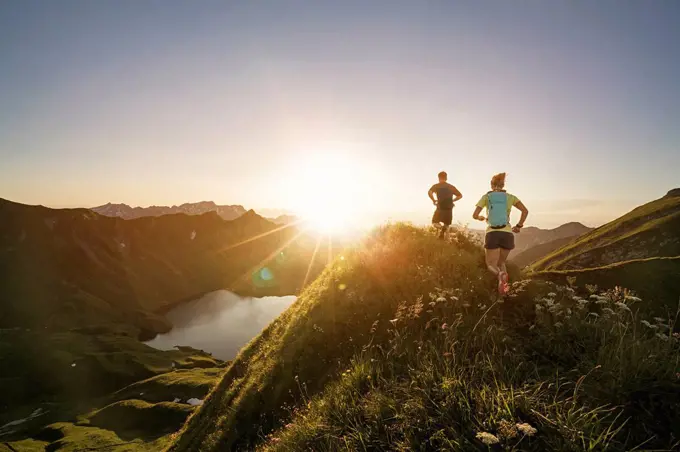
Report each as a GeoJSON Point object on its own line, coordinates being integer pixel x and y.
{"type": "Point", "coordinates": [326, 191]}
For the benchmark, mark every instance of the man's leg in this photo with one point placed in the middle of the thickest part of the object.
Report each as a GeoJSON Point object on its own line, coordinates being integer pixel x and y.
{"type": "Point", "coordinates": [492, 257]}
{"type": "Point", "coordinates": [446, 217]}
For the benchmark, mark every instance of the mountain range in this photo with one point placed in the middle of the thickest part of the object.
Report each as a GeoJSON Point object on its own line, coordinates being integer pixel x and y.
{"type": "Point", "coordinates": [531, 237]}
{"type": "Point", "coordinates": [198, 208]}
{"type": "Point", "coordinates": [73, 267]}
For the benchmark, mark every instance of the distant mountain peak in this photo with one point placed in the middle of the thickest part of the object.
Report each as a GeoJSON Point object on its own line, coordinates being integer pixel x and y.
{"type": "Point", "coordinates": [575, 223]}
{"type": "Point", "coordinates": [251, 214]}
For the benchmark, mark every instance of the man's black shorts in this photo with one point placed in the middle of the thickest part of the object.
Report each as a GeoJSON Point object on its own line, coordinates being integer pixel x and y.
{"type": "Point", "coordinates": [443, 216]}
{"type": "Point", "coordinates": [499, 239]}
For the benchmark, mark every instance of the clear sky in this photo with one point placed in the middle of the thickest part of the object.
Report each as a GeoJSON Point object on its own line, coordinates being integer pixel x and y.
{"type": "Point", "coordinates": [164, 102]}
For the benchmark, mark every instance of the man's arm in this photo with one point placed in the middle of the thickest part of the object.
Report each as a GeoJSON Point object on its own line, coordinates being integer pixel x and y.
{"type": "Point", "coordinates": [525, 213]}
{"type": "Point", "coordinates": [458, 194]}
{"type": "Point", "coordinates": [476, 214]}
{"type": "Point", "coordinates": [430, 193]}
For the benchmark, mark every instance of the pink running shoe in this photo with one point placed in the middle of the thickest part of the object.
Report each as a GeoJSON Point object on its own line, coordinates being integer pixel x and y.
{"type": "Point", "coordinates": [503, 286]}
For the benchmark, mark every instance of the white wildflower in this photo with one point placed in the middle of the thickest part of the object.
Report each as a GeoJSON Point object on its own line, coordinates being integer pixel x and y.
{"type": "Point", "coordinates": [622, 306]}
{"type": "Point", "coordinates": [660, 320]}
{"type": "Point", "coordinates": [552, 294]}
{"type": "Point", "coordinates": [608, 311]}
{"type": "Point", "coordinates": [539, 308]}
{"type": "Point", "coordinates": [487, 438]}
{"type": "Point", "coordinates": [646, 323]}
{"type": "Point", "coordinates": [594, 297]}
{"type": "Point", "coordinates": [662, 336]}
{"type": "Point", "coordinates": [454, 298]}
{"type": "Point", "coordinates": [559, 324]}
{"type": "Point", "coordinates": [527, 429]}
{"type": "Point", "coordinates": [556, 308]}
{"type": "Point", "coordinates": [568, 311]}
{"type": "Point", "coordinates": [594, 314]}
{"type": "Point", "coordinates": [599, 299]}
{"type": "Point", "coordinates": [441, 299]}
{"type": "Point", "coordinates": [632, 298]}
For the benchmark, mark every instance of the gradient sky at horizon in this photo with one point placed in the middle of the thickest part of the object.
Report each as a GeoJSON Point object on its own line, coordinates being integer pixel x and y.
{"type": "Point", "coordinates": [150, 102]}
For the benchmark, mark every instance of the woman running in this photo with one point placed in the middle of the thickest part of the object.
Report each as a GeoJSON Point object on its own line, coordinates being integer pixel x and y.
{"type": "Point", "coordinates": [499, 240]}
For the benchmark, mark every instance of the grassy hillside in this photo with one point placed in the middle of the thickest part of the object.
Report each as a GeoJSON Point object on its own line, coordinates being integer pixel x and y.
{"type": "Point", "coordinates": [655, 280]}
{"type": "Point", "coordinates": [402, 345]}
{"type": "Point", "coordinates": [651, 230]}
{"type": "Point", "coordinates": [72, 267]}
{"type": "Point", "coordinates": [43, 401]}
{"type": "Point", "coordinates": [537, 252]}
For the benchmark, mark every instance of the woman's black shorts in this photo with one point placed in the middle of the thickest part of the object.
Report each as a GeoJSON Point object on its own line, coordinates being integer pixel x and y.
{"type": "Point", "coordinates": [499, 239]}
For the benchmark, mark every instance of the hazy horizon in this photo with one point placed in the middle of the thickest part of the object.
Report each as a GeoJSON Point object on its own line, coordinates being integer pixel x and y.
{"type": "Point", "coordinates": [149, 103]}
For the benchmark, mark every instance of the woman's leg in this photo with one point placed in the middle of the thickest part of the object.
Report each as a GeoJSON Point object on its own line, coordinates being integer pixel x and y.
{"type": "Point", "coordinates": [492, 258]}
{"type": "Point", "coordinates": [502, 259]}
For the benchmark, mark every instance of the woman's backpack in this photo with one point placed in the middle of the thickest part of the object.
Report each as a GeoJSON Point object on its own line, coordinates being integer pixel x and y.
{"type": "Point", "coordinates": [497, 209]}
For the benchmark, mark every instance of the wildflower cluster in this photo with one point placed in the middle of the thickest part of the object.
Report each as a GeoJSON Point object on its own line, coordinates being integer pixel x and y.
{"type": "Point", "coordinates": [507, 432]}
{"type": "Point", "coordinates": [563, 305]}
{"type": "Point", "coordinates": [661, 328]}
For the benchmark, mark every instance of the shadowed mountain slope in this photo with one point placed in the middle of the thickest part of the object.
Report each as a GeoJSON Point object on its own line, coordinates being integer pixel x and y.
{"type": "Point", "coordinates": [651, 230]}
{"type": "Point", "coordinates": [73, 267]}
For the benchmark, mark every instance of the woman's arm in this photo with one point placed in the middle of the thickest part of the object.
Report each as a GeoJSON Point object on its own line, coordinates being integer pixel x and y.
{"type": "Point", "coordinates": [476, 214]}
{"type": "Point", "coordinates": [525, 213]}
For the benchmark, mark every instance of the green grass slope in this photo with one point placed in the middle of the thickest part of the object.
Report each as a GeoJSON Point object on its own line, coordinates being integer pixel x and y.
{"type": "Point", "coordinates": [651, 230]}
{"type": "Point", "coordinates": [183, 384]}
{"type": "Point", "coordinates": [401, 345]}
{"type": "Point", "coordinates": [139, 417]}
{"type": "Point", "coordinates": [70, 367]}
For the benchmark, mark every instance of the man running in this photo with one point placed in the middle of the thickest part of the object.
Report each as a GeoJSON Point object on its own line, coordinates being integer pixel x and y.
{"type": "Point", "coordinates": [443, 216]}
{"type": "Point", "coordinates": [499, 240]}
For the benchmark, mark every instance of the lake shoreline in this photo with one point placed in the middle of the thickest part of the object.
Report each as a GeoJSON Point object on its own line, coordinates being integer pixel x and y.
{"type": "Point", "coordinates": [220, 322]}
